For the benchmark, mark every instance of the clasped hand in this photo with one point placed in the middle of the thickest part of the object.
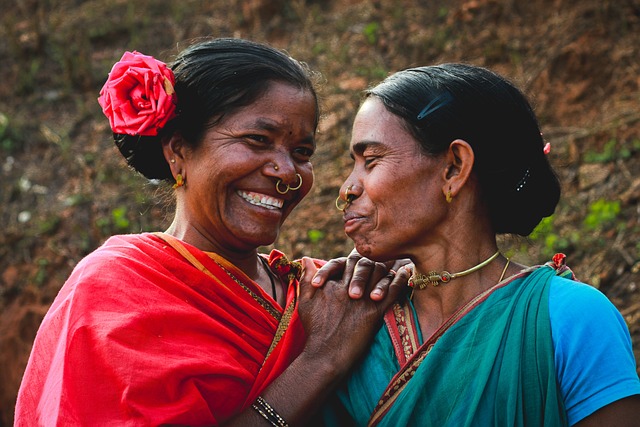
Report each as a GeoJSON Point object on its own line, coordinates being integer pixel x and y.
{"type": "Point", "coordinates": [338, 318]}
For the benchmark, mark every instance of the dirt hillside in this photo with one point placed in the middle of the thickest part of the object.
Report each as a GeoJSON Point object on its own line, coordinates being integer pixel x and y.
{"type": "Point", "coordinates": [64, 187]}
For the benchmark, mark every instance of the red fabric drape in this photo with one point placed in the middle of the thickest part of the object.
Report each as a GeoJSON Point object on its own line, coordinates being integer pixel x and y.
{"type": "Point", "coordinates": [139, 336]}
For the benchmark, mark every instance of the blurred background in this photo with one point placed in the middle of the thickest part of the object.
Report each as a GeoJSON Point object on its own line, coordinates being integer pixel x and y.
{"type": "Point", "coordinates": [64, 188]}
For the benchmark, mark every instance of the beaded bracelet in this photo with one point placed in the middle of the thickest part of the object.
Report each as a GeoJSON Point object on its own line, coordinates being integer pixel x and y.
{"type": "Point", "coordinates": [268, 413]}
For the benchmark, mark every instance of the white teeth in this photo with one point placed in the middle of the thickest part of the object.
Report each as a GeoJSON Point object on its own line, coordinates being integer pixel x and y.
{"type": "Point", "coordinates": [261, 200]}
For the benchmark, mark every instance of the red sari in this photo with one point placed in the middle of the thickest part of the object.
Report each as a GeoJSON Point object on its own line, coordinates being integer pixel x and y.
{"type": "Point", "coordinates": [148, 330]}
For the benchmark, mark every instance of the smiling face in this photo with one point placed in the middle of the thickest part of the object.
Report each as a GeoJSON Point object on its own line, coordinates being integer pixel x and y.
{"type": "Point", "coordinates": [229, 202]}
{"type": "Point", "coordinates": [398, 203]}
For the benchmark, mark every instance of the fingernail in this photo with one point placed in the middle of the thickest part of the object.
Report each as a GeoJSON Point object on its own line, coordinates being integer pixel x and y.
{"type": "Point", "coordinates": [356, 292]}
{"type": "Point", "coordinates": [316, 280]}
{"type": "Point", "coordinates": [376, 292]}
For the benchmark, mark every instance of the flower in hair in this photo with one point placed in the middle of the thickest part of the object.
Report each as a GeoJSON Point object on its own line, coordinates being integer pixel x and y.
{"type": "Point", "coordinates": [138, 97]}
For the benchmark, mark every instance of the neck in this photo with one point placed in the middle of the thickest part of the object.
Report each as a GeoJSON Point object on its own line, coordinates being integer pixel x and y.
{"type": "Point", "coordinates": [435, 304]}
{"type": "Point", "coordinates": [246, 259]}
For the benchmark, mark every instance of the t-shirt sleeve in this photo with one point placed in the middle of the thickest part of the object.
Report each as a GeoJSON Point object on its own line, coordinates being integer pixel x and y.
{"type": "Point", "coordinates": [594, 359]}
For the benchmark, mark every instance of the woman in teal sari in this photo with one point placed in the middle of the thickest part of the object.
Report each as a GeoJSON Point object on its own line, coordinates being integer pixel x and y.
{"type": "Point", "coordinates": [446, 158]}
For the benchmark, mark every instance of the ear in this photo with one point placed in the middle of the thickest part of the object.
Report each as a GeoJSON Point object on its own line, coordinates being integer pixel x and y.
{"type": "Point", "coordinates": [174, 149]}
{"type": "Point", "coordinates": [459, 164]}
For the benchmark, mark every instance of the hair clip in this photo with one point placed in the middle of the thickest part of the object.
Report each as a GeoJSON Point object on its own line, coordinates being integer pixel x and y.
{"type": "Point", "coordinates": [523, 181]}
{"type": "Point", "coordinates": [441, 100]}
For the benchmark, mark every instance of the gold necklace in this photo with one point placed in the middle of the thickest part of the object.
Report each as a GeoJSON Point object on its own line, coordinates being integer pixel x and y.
{"type": "Point", "coordinates": [434, 278]}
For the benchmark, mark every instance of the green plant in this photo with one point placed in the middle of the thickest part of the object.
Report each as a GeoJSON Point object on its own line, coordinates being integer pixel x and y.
{"type": "Point", "coordinates": [370, 31]}
{"type": "Point", "coordinates": [608, 153]}
{"type": "Point", "coordinates": [6, 143]}
{"type": "Point", "coordinates": [315, 236]}
{"type": "Point", "coordinates": [551, 241]}
{"type": "Point", "coordinates": [119, 217]}
{"type": "Point", "coordinates": [601, 213]}
{"type": "Point", "coordinates": [41, 274]}
{"type": "Point", "coordinates": [117, 222]}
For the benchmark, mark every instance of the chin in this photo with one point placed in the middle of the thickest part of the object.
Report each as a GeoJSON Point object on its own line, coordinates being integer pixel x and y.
{"type": "Point", "coordinates": [374, 253]}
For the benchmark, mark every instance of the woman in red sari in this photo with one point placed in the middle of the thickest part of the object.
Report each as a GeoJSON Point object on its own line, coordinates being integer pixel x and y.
{"type": "Point", "coordinates": [193, 326]}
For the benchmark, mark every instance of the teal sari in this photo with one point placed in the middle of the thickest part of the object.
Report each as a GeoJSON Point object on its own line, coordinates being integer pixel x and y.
{"type": "Point", "coordinates": [489, 364]}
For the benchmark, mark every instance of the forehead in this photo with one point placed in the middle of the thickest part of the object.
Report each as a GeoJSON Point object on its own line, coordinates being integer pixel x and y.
{"type": "Point", "coordinates": [280, 104]}
{"type": "Point", "coordinates": [375, 126]}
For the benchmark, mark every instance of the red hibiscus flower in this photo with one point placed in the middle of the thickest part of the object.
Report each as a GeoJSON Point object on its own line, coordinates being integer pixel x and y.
{"type": "Point", "coordinates": [138, 97]}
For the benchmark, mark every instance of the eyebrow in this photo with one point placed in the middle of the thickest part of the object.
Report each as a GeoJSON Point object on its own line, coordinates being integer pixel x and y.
{"type": "Point", "coordinates": [360, 146]}
{"type": "Point", "coordinates": [274, 126]}
{"type": "Point", "coordinates": [265, 124]}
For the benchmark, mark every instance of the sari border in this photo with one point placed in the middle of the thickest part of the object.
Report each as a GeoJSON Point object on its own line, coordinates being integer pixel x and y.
{"type": "Point", "coordinates": [402, 331]}
{"type": "Point", "coordinates": [407, 371]}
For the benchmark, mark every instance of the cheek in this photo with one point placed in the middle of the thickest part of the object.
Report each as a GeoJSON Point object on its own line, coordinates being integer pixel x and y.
{"type": "Point", "coordinates": [307, 180]}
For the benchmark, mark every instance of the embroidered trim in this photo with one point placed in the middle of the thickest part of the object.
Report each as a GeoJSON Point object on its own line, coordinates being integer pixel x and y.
{"type": "Point", "coordinates": [263, 302]}
{"type": "Point", "coordinates": [182, 250]}
{"type": "Point", "coordinates": [282, 327]}
{"type": "Point", "coordinates": [400, 380]}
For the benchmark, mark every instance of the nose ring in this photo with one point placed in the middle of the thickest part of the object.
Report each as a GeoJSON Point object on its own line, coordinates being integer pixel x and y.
{"type": "Point", "coordinates": [288, 187]}
{"type": "Point", "coordinates": [341, 203]}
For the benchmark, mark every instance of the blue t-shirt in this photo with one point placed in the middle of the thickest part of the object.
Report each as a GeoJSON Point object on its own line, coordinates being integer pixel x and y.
{"type": "Point", "coordinates": [594, 360]}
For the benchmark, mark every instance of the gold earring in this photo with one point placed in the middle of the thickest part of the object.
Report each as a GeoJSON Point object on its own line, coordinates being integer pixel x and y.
{"type": "Point", "coordinates": [276, 167]}
{"type": "Point", "coordinates": [179, 181]}
{"type": "Point", "coordinates": [448, 197]}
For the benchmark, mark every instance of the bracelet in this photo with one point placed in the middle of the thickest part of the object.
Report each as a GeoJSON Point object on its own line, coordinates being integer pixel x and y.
{"type": "Point", "coordinates": [268, 413]}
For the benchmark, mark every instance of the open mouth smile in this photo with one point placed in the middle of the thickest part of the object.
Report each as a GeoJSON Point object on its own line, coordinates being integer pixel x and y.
{"type": "Point", "coordinates": [261, 200]}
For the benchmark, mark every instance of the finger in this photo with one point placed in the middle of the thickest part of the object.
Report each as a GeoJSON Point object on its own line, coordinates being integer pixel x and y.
{"type": "Point", "coordinates": [352, 260]}
{"type": "Point", "coordinates": [396, 264]}
{"type": "Point", "coordinates": [398, 286]}
{"type": "Point", "coordinates": [381, 288]}
{"type": "Point", "coordinates": [381, 280]}
{"type": "Point", "coordinates": [308, 271]}
{"type": "Point", "coordinates": [365, 275]}
{"type": "Point", "coordinates": [332, 269]}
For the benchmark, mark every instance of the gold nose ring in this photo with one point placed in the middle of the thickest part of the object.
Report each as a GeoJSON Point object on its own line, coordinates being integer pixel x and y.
{"type": "Point", "coordinates": [341, 204]}
{"type": "Point", "coordinates": [285, 191]}
{"type": "Point", "coordinates": [346, 192]}
{"type": "Point", "coordinates": [299, 183]}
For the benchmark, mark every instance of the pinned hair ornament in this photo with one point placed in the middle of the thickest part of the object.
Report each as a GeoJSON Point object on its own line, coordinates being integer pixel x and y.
{"type": "Point", "coordinates": [138, 97]}
{"type": "Point", "coordinates": [523, 180]}
{"type": "Point", "coordinates": [435, 104]}
{"type": "Point", "coordinates": [527, 173]}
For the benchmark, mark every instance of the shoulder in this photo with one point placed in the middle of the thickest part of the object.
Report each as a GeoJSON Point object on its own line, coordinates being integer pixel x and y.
{"type": "Point", "coordinates": [119, 251]}
{"type": "Point", "coordinates": [113, 271]}
{"type": "Point", "coordinates": [576, 301]}
{"type": "Point", "coordinates": [595, 364]}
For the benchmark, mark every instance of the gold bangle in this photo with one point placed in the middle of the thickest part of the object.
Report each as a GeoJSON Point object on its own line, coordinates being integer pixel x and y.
{"type": "Point", "coordinates": [268, 413]}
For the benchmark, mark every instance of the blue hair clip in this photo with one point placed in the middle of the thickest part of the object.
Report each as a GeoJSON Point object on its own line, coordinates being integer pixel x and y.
{"type": "Point", "coordinates": [437, 102]}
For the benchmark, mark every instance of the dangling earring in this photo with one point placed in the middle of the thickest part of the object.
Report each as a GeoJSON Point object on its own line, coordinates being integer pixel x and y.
{"type": "Point", "coordinates": [179, 181]}
{"type": "Point", "coordinates": [448, 197]}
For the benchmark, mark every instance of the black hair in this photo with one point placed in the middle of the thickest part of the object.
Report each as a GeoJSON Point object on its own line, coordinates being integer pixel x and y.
{"type": "Point", "coordinates": [441, 103]}
{"type": "Point", "coordinates": [214, 78]}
